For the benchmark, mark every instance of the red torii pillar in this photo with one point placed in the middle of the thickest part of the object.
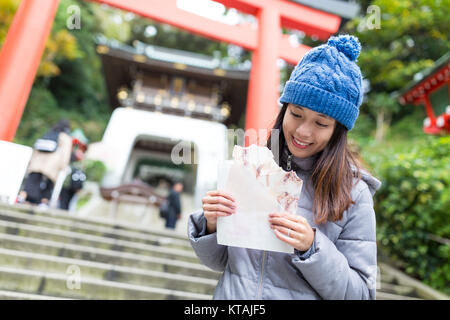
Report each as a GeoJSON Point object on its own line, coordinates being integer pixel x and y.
{"type": "Point", "coordinates": [33, 20]}
{"type": "Point", "coordinates": [19, 60]}
{"type": "Point", "coordinates": [262, 97]}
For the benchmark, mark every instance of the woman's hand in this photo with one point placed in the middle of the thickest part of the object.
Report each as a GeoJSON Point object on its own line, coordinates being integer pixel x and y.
{"type": "Point", "coordinates": [217, 204]}
{"type": "Point", "coordinates": [292, 229]}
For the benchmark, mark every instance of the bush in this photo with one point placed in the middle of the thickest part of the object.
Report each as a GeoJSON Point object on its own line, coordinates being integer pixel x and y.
{"type": "Point", "coordinates": [94, 170]}
{"type": "Point", "coordinates": [413, 203]}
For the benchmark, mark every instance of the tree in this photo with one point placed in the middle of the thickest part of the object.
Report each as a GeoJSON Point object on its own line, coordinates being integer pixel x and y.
{"type": "Point", "coordinates": [383, 106]}
{"type": "Point", "coordinates": [7, 10]}
{"type": "Point", "coordinates": [69, 82]}
{"type": "Point", "coordinates": [410, 37]}
{"type": "Point", "coordinates": [60, 45]}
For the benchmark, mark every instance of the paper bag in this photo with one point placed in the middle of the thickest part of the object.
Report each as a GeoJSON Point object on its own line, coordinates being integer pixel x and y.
{"type": "Point", "coordinates": [259, 187]}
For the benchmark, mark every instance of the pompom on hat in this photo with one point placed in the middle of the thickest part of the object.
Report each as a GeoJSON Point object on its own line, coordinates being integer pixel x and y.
{"type": "Point", "coordinates": [328, 80]}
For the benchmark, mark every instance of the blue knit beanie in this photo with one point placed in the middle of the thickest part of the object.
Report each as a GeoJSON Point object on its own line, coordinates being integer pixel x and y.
{"type": "Point", "coordinates": [328, 80]}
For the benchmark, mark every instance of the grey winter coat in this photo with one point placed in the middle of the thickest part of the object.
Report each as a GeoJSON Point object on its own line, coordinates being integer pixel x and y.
{"type": "Point", "coordinates": [341, 264]}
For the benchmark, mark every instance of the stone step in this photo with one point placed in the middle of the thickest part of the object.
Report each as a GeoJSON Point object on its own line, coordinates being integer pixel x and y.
{"type": "Point", "coordinates": [91, 228]}
{"type": "Point", "coordinates": [16, 295]}
{"type": "Point", "coordinates": [389, 296]}
{"type": "Point", "coordinates": [105, 222]}
{"type": "Point", "coordinates": [93, 220]}
{"type": "Point", "coordinates": [63, 236]}
{"type": "Point", "coordinates": [74, 251]}
{"type": "Point", "coordinates": [62, 285]}
{"type": "Point", "coordinates": [397, 289]}
{"type": "Point", "coordinates": [129, 254]}
{"type": "Point", "coordinates": [387, 277]}
{"type": "Point", "coordinates": [131, 275]}
{"type": "Point", "coordinates": [128, 274]}
{"type": "Point", "coordinates": [422, 290]}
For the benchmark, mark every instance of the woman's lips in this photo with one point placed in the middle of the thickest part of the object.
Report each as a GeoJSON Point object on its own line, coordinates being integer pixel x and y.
{"type": "Point", "coordinates": [298, 145]}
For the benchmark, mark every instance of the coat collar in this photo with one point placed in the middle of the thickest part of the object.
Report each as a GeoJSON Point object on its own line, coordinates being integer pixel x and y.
{"type": "Point", "coordinates": [305, 164]}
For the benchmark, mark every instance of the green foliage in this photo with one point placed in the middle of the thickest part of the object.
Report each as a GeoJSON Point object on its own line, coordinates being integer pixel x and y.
{"type": "Point", "coordinates": [113, 23]}
{"type": "Point", "coordinates": [381, 102]}
{"type": "Point", "coordinates": [94, 169]}
{"type": "Point", "coordinates": [363, 129]}
{"type": "Point", "coordinates": [7, 10]}
{"type": "Point", "coordinates": [69, 83]}
{"type": "Point", "coordinates": [412, 203]}
{"type": "Point", "coordinates": [171, 37]}
{"type": "Point", "coordinates": [81, 85]}
{"type": "Point", "coordinates": [411, 35]}
{"type": "Point", "coordinates": [39, 115]}
{"type": "Point", "coordinates": [60, 45]}
{"type": "Point", "coordinates": [409, 127]}
{"type": "Point", "coordinates": [83, 199]}
{"type": "Point", "coordinates": [43, 111]}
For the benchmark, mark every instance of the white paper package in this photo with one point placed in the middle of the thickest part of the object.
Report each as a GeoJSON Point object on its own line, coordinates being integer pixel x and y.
{"type": "Point", "coordinates": [259, 187]}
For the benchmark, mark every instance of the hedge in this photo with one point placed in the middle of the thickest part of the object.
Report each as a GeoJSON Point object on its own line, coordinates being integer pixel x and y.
{"type": "Point", "coordinates": [414, 203]}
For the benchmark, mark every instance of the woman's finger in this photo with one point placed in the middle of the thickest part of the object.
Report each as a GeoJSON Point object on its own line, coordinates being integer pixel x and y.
{"type": "Point", "coordinates": [219, 193]}
{"type": "Point", "coordinates": [218, 207]}
{"type": "Point", "coordinates": [284, 222]}
{"type": "Point", "coordinates": [287, 215]}
{"type": "Point", "coordinates": [301, 221]}
{"type": "Point", "coordinates": [286, 231]}
{"type": "Point", "coordinates": [284, 238]}
{"type": "Point", "coordinates": [216, 214]}
{"type": "Point", "coordinates": [219, 199]}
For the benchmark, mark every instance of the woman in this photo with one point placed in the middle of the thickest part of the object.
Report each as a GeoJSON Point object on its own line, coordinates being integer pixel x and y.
{"type": "Point", "coordinates": [50, 156]}
{"type": "Point", "coordinates": [333, 230]}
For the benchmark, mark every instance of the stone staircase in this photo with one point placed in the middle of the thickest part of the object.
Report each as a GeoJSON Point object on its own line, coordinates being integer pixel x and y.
{"type": "Point", "coordinates": [49, 254]}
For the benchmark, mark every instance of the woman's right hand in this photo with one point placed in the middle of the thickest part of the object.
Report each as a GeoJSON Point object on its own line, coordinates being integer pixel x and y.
{"type": "Point", "coordinates": [217, 204]}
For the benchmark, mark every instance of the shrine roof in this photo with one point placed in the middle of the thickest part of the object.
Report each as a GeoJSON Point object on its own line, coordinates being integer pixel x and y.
{"type": "Point", "coordinates": [175, 57]}
{"type": "Point", "coordinates": [426, 81]}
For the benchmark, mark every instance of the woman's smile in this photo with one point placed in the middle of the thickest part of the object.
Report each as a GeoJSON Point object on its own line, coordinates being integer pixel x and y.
{"type": "Point", "coordinates": [300, 144]}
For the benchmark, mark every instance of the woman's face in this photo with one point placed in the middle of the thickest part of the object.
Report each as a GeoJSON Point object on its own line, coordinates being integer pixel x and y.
{"type": "Point", "coordinates": [306, 132]}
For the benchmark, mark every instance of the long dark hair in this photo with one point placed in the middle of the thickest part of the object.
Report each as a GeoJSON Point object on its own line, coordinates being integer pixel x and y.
{"type": "Point", "coordinates": [332, 174]}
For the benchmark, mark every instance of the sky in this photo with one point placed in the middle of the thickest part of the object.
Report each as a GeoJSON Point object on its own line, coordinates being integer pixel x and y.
{"type": "Point", "coordinates": [215, 11]}
{"type": "Point", "coordinates": [211, 10]}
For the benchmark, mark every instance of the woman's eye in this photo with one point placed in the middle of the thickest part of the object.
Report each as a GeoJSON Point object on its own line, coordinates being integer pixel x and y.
{"type": "Point", "coordinates": [318, 123]}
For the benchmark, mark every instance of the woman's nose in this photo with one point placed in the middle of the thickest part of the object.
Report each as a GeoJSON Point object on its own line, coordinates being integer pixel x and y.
{"type": "Point", "coordinates": [304, 131]}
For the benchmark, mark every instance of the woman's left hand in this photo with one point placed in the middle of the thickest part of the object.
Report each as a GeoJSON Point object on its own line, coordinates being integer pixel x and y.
{"type": "Point", "coordinates": [292, 229]}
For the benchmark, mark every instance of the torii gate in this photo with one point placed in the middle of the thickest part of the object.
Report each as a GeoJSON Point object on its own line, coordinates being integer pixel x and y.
{"type": "Point", "coordinates": [25, 42]}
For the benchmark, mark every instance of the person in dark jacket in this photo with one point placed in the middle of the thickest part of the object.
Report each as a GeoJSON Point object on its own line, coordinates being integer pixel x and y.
{"type": "Point", "coordinates": [74, 184]}
{"type": "Point", "coordinates": [332, 233]}
{"type": "Point", "coordinates": [174, 205]}
{"type": "Point", "coordinates": [51, 155]}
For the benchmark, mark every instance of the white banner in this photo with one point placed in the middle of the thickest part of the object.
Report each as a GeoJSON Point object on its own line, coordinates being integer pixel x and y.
{"type": "Point", "coordinates": [14, 159]}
